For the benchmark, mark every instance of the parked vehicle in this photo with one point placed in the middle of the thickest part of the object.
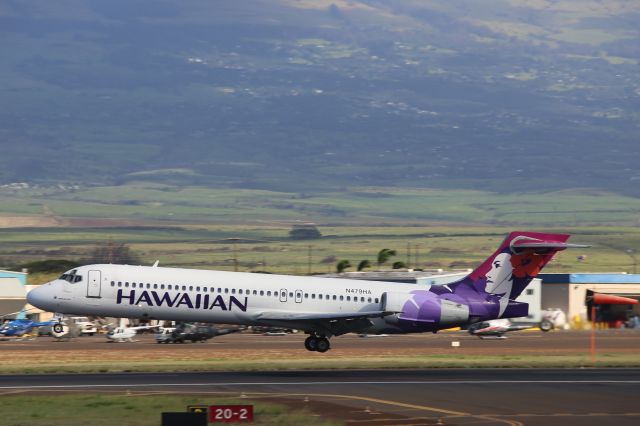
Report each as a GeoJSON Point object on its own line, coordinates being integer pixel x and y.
{"type": "Point", "coordinates": [553, 318]}
{"type": "Point", "coordinates": [164, 335]}
{"type": "Point", "coordinates": [86, 327]}
{"type": "Point", "coordinates": [193, 332]}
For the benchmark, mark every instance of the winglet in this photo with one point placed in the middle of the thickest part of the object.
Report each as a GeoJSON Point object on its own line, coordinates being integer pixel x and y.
{"type": "Point", "coordinates": [155, 265]}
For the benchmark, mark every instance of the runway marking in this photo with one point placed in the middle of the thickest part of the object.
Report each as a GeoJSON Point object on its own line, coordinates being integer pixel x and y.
{"type": "Point", "coordinates": [328, 383]}
{"type": "Point", "coordinates": [451, 413]}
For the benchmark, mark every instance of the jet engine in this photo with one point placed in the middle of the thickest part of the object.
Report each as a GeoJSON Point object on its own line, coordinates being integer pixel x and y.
{"type": "Point", "coordinates": [423, 307]}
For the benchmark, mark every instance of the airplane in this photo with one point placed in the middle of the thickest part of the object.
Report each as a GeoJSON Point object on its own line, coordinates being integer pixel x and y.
{"type": "Point", "coordinates": [20, 327]}
{"type": "Point", "coordinates": [126, 334]}
{"type": "Point", "coordinates": [321, 307]}
{"type": "Point", "coordinates": [495, 329]}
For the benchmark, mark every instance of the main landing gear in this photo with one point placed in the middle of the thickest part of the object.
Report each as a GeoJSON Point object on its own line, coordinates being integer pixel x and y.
{"type": "Point", "coordinates": [317, 343]}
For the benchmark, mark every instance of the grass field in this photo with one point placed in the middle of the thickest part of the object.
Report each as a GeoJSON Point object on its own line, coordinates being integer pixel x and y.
{"type": "Point", "coordinates": [315, 363]}
{"type": "Point", "coordinates": [268, 248]}
{"type": "Point", "coordinates": [209, 228]}
{"type": "Point", "coordinates": [132, 409]}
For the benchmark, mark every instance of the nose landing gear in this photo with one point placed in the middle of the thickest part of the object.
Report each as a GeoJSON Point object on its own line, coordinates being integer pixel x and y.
{"type": "Point", "coordinates": [317, 343]}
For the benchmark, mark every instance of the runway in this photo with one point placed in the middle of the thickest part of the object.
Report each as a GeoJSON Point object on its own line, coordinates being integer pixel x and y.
{"type": "Point", "coordinates": [384, 397]}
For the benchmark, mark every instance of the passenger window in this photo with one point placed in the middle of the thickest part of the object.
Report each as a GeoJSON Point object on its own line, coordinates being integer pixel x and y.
{"type": "Point", "coordinates": [261, 292]}
{"type": "Point", "coordinates": [126, 284]}
{"type": "Point", "coordinates": [155, 286]}
{"type": "Point", "coordinates": [369, 300]}
{"type": "Point", "coordinates": [376, 300]}
{"type": "Point", "coordinates": [362, 299]}
{"type": "Point", "coordinates": [190, 288]}
{"type": "Point", "coordinates": [161, 286]}
{"type": "Point", "coordinates": [197, 288]}
{"type": "Point", "coordinates": [313, 295]}
{"type": "Point", "coordinates": [306, 295]}
{"type": "Point", "coordinates": [268, 293]}
{"type": "Point", "coordinates": [113, 283]}
{"type": "Point", "coordinates": [341, 298]}
{"type": "Point", "coordinates": [148, 285]}
{"type": "Point", "coordinates": [219, 290]}
{"type": "Point", "coordinates": [334, 297]}
{"type": "Point", "coordinates": [226, 290]}
{"type": "Point", "coordinates": [240, 291]}
{"type": "Point", "coordinates": [255, 292]}
{"type": "Point", "coordinates": [320, 296]}
{"type": "Point", "coordinates": [233, 291]}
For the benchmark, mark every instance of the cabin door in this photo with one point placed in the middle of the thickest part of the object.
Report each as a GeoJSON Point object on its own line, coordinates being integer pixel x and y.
{"type": "Point", "coordinates": [93, 284]}
{"type": "Point", "coordinates": [283, 294]}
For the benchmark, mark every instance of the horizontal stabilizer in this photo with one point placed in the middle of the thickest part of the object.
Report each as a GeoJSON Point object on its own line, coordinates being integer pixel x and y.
{"type": "Point", "coordinates": [520, 244]}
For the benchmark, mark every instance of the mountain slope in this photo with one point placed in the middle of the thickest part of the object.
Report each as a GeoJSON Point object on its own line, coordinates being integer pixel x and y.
{"type": "Point", "coordinates": [309, 94]}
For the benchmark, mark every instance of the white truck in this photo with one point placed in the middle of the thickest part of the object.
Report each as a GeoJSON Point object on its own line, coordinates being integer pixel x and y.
{"type": "Point", "coordinates": [86, 327]}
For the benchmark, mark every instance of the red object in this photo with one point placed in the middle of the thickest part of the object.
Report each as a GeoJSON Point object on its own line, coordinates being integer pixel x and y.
{"type": "Point", "coordinates": [604, 299]}
{"type": "Point", "coordinates": [609, 299]}
{"type": "Point", "coordinates": [230, 413]}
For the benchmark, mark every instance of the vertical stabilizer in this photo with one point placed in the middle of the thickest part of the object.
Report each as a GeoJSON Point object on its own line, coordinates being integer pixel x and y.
{"type": "Point", "coordinates": [505, 274]}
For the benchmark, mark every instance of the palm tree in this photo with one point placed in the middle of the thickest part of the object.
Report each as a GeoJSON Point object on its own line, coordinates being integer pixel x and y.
{"type": "Point", "coordinates": [363, 265]}
{"type": "Point", "coordinates": [384, 255]}
{"type": "Point", "coordinates": [342, 265]}
{"type": "Point", "coordinates": [399, 265]}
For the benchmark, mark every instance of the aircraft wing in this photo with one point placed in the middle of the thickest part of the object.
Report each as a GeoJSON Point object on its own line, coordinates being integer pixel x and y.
{"type": "Point", "coordinates": [327, 323]}
{"type": "Point", "coordinates": [318, 316]}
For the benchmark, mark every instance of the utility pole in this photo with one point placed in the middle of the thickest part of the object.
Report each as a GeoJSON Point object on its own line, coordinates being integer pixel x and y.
{"type": "Point", "coordinates": [235, 257]}
{"type": "Point", "coordinates": [629, 253]}
{"type": "Point", "coordinates": [234, 242]}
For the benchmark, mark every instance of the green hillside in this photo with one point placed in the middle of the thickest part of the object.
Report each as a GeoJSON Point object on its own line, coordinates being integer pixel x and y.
{"type": "Point", "coordinates": [311, 95]}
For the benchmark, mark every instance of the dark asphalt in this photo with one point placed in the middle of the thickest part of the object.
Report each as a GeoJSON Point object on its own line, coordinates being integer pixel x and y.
{"type": "Point", "coordinates": [449, 396]}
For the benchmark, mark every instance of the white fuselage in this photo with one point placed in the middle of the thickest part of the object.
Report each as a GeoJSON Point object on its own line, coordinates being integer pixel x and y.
{"type": "Point", "coordinates": [211, 296]}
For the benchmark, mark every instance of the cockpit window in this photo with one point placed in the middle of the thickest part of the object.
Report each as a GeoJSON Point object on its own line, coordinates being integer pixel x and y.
{"type": "Point", "coordinates": [71, 277]}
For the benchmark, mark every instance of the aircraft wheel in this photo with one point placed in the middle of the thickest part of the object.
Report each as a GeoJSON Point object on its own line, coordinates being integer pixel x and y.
{"type": "Point", "coordinates": [311, 343]}
{"type": "Point", "coordinates": [58, 328]}
{"type": "Point", "coordinates": [546, 325]}
{"type": "Point", "coordinates": [323, 345]}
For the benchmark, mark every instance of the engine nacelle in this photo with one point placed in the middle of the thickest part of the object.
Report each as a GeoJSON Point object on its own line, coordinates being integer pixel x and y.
{"type": "Point", "coordinates": [423, 307]}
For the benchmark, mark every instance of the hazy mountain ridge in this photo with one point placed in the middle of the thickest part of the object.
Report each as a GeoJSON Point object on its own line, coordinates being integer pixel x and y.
{"type": "Point", "coordinates": [304, 94]}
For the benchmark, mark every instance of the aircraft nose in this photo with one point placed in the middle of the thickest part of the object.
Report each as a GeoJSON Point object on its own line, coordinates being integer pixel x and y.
{"type": "Point", "coordinates": [42, 297]}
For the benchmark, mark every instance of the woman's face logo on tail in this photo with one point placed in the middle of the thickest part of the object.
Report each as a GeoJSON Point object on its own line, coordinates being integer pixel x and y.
{"type": "Point", "coordinates": [499, 277]}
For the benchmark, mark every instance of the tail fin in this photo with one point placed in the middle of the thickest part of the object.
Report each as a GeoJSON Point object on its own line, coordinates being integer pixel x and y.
{"type": "Point", "coordinates": [518, 260]}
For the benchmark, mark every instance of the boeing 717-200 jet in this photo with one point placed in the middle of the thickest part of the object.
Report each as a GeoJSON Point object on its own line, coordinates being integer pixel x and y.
{"type": "Point", "coordinates": [322, 307]}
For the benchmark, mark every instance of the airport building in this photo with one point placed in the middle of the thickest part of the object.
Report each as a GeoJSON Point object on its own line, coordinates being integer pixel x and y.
{"type": "Point", "coordinates": [13, 294]}
{"type": "Point", "coordinates": [568, 292]}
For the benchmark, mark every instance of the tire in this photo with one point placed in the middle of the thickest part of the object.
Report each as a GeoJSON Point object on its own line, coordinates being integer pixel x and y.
{"type": "Point", "coordinates": [546, 325]}
{"type": "Point", "coordinates": [323, 345]}
{"type": "Point", "coordinates": [311, 343]}
{"type": "Point", "coordinates": [58, 328]}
